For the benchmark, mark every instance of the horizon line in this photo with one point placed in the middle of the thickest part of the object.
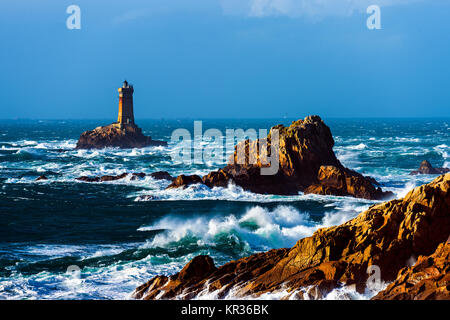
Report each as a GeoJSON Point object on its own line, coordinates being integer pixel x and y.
{"type": "Point", "coordinates": [228, 118]}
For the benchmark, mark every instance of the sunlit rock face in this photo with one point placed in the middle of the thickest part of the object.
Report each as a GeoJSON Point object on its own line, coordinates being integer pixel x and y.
{"type": "Point", "coordinates": [387, 235]}
{"type": "Point", "coordinates": [306, 163]}
{"type": "Point", "coordinates": [427, 279]}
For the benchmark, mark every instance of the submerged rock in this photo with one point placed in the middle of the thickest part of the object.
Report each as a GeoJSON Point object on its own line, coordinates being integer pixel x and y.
{"type": "Point", "coordinates": [307, 163]}
{"type": "Point", "coordinates": [159, 175]}
{"type": "Point", "coordinates": [116, 135]}
{"type": "Point", "coordinates": [386, 235]}
{"type": "Point", "coordinates": [113, 178]}
{"type": "Point", "coordinates": [88, 179]}
{"type": "Point", "coordinates": [427, 168]}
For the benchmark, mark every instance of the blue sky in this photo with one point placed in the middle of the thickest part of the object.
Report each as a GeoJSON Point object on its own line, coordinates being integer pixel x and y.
{"type": "Point", "coordinates": [226, 58]}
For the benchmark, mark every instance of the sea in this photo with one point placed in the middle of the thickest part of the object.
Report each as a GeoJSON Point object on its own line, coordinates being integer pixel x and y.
{"type": "Point", "coordinates": [65, 239]}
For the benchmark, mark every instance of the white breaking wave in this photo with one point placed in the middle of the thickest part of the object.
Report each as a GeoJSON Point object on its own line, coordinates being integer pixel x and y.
{"type": "Point", "coordinates": [202, 192]}
{"type": "Point", "coordinates": [360, 146]}
{"type": "Point", "coordinates": [408, 187]}
{"type": "Point", "coordinates": [234, 193]}
{"type": "Point", "coordinates": [116, 281]}
{"type": "Point", "coordinates": [257, 229]}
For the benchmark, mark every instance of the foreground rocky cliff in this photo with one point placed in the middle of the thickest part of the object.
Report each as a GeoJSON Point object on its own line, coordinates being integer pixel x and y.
{"type": "Point", "coordinates": [388, 235]}
{"type": "Point", "coordinates": [114, 135]}
{"type": "Point", "coordinates": [306, 160]}
{"type": "Point", "coordinates": [428, 278]}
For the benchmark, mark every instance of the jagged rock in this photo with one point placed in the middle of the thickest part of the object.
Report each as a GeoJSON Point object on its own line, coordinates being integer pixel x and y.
{"type": "Point", "coordinates": [427, 168]}
{"type": "Point", "coordinates": [218, 178]}
{"type": "Point", "coordinates": [307, 163]}
{"type": "Point", "coordinates": [183, 181]}
{"type": "Point", "coordinates": [161, 175]}
{"type": "Point", "coordinates": [113, 135]}
{"type": "Point", "coordinates": [227, 276]}
{"type": "Point", "coordinates": [428, 279]}
{"type": "Point", "coordinates": [196, 270]}
{"type": "Point", "coordinates": [386, 235]}
{"type": "Point", "coordinates": [344, 182]}
{"type": "Point", "coordinates": [40, 178]}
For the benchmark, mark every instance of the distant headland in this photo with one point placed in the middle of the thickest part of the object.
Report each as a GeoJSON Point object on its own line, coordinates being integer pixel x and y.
{"type": "Point", "coordinates": [121, 134]}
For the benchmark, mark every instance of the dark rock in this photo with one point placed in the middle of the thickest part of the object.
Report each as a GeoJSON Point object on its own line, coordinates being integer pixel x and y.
{"type": "Point", "coordinates": [40, 178]}
{"type": "Point", "coordinates": [427, 168]}
{"type": "Point", "coordinates": [114, 135]}
{"type": "Point", "coordinates": [103, 178]}
{"type": "Point", "coordinates": [106, 178]}
{"type": "Point", "coordinates": [372, 180]}
{"type": "Point", "coordinates": [137, 176]}
{"type": "Point", "coordinates": [113, 178]}
{"type": "Point", "coordinates": [386, 235]}
{"type": "Point", "coordinates": [161, 175]}
{"type": "Point", "coordinates": [183, 181]}
{"type": "Point", "coordinates": [88, 179]}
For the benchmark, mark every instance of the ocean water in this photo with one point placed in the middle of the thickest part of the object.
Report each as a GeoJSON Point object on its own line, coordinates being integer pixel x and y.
{"type": "Point", "coordinates": [65, 239]}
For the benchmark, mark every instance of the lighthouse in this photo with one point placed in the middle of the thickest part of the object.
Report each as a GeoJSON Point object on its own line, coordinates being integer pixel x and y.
{"type": "Point", "coordinates": [126, 115]}
{"type": "Point", "coordinates": [121, 134]}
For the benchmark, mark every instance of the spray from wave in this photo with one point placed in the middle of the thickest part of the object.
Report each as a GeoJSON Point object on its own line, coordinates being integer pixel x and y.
{"type": "Point", "coordinates": [257, 229]}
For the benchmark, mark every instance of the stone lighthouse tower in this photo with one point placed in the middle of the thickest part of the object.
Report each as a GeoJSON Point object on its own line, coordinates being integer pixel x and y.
{"type": "Point", "coordinates": [121, 134]}
{"type": "Point", "coordinates": [126, 115]}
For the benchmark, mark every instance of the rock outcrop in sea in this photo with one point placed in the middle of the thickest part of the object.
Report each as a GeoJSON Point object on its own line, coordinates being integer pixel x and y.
{"type": "Point", "coordinates": [307, 163]}
{"type": "Point", "coordinates": [113, 135]}
{"type": "Point", "coordinates": [388, 235]}
{"type": "Point", "coordinates": [121, 134]}
{"type": "Point", "coordinates": [427, 168]}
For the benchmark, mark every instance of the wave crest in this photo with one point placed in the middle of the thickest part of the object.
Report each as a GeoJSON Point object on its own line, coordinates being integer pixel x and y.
{"type": "Point", "coordinates": [258, 229]}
